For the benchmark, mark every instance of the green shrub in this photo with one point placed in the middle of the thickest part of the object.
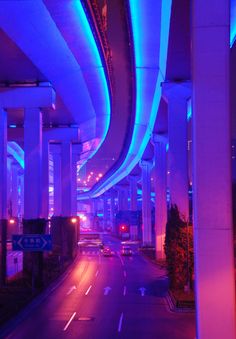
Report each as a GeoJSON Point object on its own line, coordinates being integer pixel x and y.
{"type": "Point", "coordinates": [179, 250]}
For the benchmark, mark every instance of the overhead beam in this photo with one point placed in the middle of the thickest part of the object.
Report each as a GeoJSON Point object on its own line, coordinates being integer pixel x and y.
{"type": "Point", "coordinates": [27, 97]}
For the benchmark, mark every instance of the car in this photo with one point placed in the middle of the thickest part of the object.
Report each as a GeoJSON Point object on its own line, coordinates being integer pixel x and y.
{"type": "Point", "coordinates": [107, 252]}
{"type": "Point", "coordinates": [101, 246]}
{"type": "Point", "coordinates": [126, 250]}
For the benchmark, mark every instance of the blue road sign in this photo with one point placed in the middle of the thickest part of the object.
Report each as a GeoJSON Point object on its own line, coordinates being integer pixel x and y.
{"type": "Point", "coordinates": [31, 242]}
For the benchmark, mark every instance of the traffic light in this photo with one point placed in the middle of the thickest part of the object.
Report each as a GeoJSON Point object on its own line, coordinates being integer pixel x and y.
{"type": "Point", "coordinates": [123, 228]}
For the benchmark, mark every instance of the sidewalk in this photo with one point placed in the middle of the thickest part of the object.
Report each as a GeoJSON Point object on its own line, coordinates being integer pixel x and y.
{"type": "Point", "coordinates": [178, 301]}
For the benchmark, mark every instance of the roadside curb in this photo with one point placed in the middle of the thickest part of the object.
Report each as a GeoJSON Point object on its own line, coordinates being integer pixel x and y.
{"type": "Point", "coordinates": [172, 305]}
{"type": "Point", "coordinates": [12, 323]}
{"type": "Point", "coordinates": [171, 301]}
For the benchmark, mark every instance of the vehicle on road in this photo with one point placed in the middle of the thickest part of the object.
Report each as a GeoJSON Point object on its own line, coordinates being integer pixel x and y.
{"type": "Point", "coordinates": [126, 251]}
{"type": "Point", "coordinates": [88, 239]}
{"type": "Point", "coordinates": [107, 252]}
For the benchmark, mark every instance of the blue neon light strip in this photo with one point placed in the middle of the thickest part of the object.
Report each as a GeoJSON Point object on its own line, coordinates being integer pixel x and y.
{"type": "Point", "coordinates": [140, 192]}
{"type": "Point", "coordinates": [104, 104]}
{"type": "Point", "coordinates": [17, 152]}
{"type": "Point", "coordinates": [88, 38]}
{"type": "Point", "coordinates": [232, 22]}
{"type": "Point", "coordinates": [189, 110]}
{"type": "Point", "coordinates": [150, 62]}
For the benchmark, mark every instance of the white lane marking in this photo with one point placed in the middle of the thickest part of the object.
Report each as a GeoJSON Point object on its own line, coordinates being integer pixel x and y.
{"type": "Point", "coordinates": [124, 293]}
{"type": "Point", "coordinates": [107, 290]}
{"type": "Point", "coordinates": [70, 320]}
{"type": "Point", "coordinates": [120, 322]}
{"type": "Point", "coordinates": [97, 273]}
{"type": "Point", "coordinates": [142, 290]}
{"type": "Point", "coordinates": [87, 292]}
{"type": "Point", "coordinates": [125, 274]}
{"type": "Point", "coordinates": [122, 261]}
{"type": "Point", "coordinates": [71, 290]}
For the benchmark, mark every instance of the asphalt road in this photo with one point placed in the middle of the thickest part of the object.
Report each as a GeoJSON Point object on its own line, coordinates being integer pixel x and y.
{"type": "Point", "coordinates": [106, 298]}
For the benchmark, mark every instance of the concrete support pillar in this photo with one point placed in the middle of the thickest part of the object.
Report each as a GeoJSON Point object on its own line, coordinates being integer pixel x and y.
{"type": "Point", "coordinates": [213, 238]}
{"type": "Point", "coordinates": [74, 184]}
{"type": "Point", "coordinates": [3, 194]}
{"type": "Point", "coordinates": [94, 206]}
{"type": "Point", "coordinates": [14, 189]}
{"type": "Point", "coordinates": [133, 192]}
{"type": "Point", "coordinates": [3, 164]}
{"type": "Point", "coordinates": [160, 184]}
{"type": "Point", "coordinates": [176, 94]}
{"type": "Point", "coordinates": [105, 212]}
{"type": "Point", "coordinates": [33, 224]}
{"type": "Point", "coordinates": [119, 196]}
{"type": "Point", "coordinates": [9, 189]}
{"type": "Point", "coordinates": [66, 158]}
{"type": "Point", "coordinates": [45, 178]}
{"type": "Point", "coordinates": [133, 206]}
{"type": "Point", "coordinates": [146, 167]}
{"type": "Point", "coordinates": [123, 199]}
{"type": "Point", "coordinates": [21, 207]}
{"type": "Point", "coordinates": [126, 198]}
{"type": "Point", "coordinates": [112, 211]}
{"type": "Point", "coordinates": [95, 218]}
{"type": "Point", "coordinates": [57, 192]}
{"type": "Point", "coordinates": [33, 163]}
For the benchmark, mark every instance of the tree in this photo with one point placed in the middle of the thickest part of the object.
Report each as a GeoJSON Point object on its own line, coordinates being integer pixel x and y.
{"type": "Point", "coordinates": [179, 250]}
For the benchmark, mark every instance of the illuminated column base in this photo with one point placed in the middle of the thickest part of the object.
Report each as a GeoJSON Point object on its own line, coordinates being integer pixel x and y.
{"type": "Point", "coordinates": [160, 170]}
{"type": "Point", "coordinates": [176, 94]}
{"type": "Point", "coordinates": [213, 238]}
{"type": "Point", "coordinates": [146, 202]}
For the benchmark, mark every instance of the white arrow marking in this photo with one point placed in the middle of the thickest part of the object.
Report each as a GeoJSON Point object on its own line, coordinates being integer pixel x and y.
{"type": "Point", "coordinates": [142, 290]}
{"type": "Point", "coordinates": [71, 290]}
{"type": "Point", "coordinates": [107, 290]}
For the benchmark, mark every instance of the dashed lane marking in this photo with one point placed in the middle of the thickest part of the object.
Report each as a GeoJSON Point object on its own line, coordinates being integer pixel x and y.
{"type": "Point", "coordinates": [87, 292]}
{"type": "Point", "coordinates": [69, 321]}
